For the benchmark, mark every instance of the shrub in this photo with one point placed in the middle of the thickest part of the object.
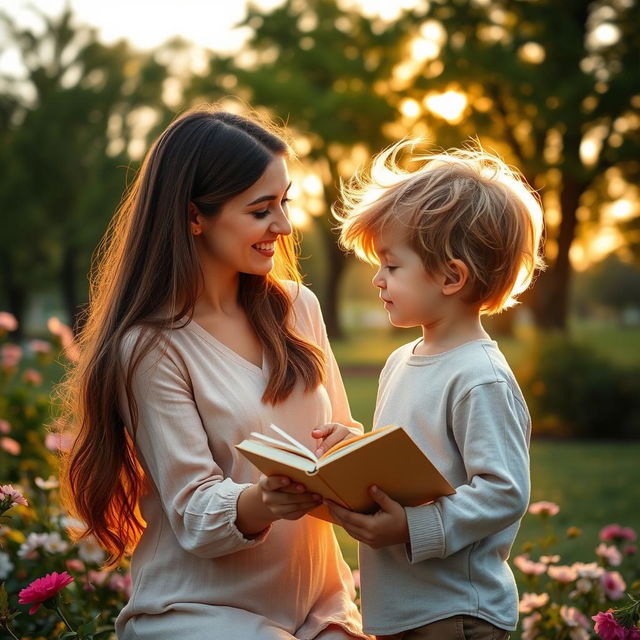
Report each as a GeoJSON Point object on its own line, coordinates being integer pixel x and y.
{"type": "Point", "coordinates": [573, 391]}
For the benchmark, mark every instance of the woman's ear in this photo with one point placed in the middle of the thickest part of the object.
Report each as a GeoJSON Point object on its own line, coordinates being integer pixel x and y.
{"type": "Point", "coordinates": [194, 219]}
{"type": "Point", "coordinates": [456, 277]}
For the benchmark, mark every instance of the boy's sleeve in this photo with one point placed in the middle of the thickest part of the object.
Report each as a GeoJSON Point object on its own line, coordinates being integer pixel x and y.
{"type": "Point", "coordinates": [199, 502]}
{"type": "Point", "coordinates": [491, 429]}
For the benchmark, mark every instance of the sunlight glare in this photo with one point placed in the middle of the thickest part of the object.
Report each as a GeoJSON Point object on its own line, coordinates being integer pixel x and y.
{"type": "Point", "coordinates": [449, 105]}
{"type": "Point", "coordinates": [607, 240]}
{"type": "Point", "coordinates": [410, 108]}
{"type": "Point", "coordinates": [532, 52]}
{"type": "Point", "coordinates": [381, 8]}
{"type": "Point", "coordinates": [299, 217]}
{"type": "Point", "coordinates": [312, 185]}
{"type": "Point", "coordinates": [622, 210]}
{"type": "Point", "coordinates": [422, 49]}
{"type": "Point", "coordinates": [604, 35]}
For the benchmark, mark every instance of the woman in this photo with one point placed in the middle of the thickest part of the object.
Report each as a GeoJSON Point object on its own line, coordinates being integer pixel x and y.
{"type": "Point", "coordinates": [199, 333]}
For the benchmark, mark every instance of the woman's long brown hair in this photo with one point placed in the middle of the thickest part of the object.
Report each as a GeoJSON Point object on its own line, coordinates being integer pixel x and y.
{"type": "Point", "coordinates": [147, 274]}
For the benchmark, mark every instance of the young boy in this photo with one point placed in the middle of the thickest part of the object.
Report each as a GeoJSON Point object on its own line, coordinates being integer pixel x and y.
{"type": "Point", "coordinates": [455, 239]}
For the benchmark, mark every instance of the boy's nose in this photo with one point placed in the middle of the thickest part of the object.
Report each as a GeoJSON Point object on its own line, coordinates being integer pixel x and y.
{"type": "Point", "coordinates": [378, 280]}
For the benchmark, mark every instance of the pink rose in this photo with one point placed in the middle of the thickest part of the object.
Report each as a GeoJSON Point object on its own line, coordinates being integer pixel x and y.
{"type": "Point", "coordinates": [529, 567]}
{"type": "Point", "coordinates": [10, 356]}
{"type": "Point", "coordinates": [32, 377]}
{"type": "Point", "coordinates": [10, 445]}
{"type": "Point", "coordinates": [607, 626]}
{"type": "Point", "coordinates": [544, 508]}
{"type": "Point", "coordinates": [41, 347]}
{"type": "Point", "coordinates": [74, 564]}
{"type": "Point", "coordinates": [563, 573]}
{"type": "Point", "coordinates": [67, 340]}
{"type": "Point", "coordinates": [609, 553]}
{"type": "Point", "coordinates": [43, 589]}
{"type": "Point", "coordinates": [119, 582]}
{"type": "Point", "coordinates": [7, 492]}
{"type": "Point", "coordinates": [613, 584]}
{"type": "Point", "coordinates": [58, 441]}
{"type": "Point", "coordinates": [8, 322]}
{"type": "Point", "coordinates": [615, 533]}
{"type": "Point", "coordinates": [532, 601]}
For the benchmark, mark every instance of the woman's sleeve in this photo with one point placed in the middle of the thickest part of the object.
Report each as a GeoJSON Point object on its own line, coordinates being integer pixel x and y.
{"type": "Point", "coordinates": [199, 502]}
{"type": "Point", "coordinates": [335, 387]}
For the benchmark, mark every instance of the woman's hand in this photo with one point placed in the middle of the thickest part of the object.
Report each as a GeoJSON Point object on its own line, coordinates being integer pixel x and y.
{"type": "Point", "coordinates": [329, 435]}
{"type": "Point", "coordinates": [285, 498]}
{"type": "Point", "coordinates": [272, 498]}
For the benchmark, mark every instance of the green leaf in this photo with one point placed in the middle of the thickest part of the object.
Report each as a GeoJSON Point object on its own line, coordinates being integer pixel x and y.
{"type": "Point", "coordinates": [88, 627]}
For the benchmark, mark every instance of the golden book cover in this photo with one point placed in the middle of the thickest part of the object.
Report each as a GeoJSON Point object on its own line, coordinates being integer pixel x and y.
{"type": "Point", "coordinates": [387, 457]}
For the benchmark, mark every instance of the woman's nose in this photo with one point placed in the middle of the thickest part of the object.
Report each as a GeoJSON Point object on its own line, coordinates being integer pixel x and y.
{"type": "Point", "coordinates": [281, 224]}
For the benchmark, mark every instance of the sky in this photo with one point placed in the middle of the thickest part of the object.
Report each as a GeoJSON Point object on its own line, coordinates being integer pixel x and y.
{"type": "Point", "coordinates": [148, 23]}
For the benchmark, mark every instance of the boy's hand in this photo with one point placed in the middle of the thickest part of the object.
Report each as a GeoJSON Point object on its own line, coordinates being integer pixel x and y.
{"type": "Point", "coordinates": [385, 527]}
{"type": "Point", "coordinates": [329, 435]}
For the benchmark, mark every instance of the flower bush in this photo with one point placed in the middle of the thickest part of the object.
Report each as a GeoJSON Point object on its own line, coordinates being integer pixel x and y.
{"type": "Point", "coordinates": [563, 601]}
{"type": "Point", "coordinates": [51, 587]}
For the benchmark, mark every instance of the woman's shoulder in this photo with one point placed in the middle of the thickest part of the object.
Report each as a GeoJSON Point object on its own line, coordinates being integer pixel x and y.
{"type": "Point", "coordinates": [148, 345]}
{"type": "Point", "coordinates": [299, 293]}
{"type": "Point", "coordinates": [303, 299]}
{"type": "Point", "coordinates": [307, 314]}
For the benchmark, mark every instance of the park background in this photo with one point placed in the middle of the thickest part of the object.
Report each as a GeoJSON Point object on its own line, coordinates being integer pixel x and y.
{"type": "Point", "coordinates": [551, 85]}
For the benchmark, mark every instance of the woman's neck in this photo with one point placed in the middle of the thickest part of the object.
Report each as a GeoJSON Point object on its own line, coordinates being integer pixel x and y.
{"type": "Point", "coordinates": [218, 295]}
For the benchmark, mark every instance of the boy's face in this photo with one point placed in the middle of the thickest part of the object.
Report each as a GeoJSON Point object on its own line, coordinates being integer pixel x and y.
{"type": "Point", "coordinates": [410, 295]}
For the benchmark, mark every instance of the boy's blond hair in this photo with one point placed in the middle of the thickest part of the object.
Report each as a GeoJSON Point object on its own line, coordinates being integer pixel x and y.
{"type": "Point", "coordinates": [464, 204]}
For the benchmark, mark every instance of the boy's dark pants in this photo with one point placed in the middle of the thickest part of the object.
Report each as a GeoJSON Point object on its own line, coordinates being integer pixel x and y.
{"type": "Point", "coordinates": [456, 628]}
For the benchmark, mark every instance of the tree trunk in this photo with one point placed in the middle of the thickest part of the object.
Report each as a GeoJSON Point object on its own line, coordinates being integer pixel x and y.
{"type": "Point", "coordinates": [68, 286]}
{"type": "Point", "coordinates": [336, 262]}
{"type": "Point", "coordinates": [550, 300]}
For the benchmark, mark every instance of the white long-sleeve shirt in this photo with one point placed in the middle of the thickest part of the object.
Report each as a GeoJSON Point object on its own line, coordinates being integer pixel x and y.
{"type": "Point", "coordinates": [194, 574]}
{"type": "Point", "coordinates": [465, 410]}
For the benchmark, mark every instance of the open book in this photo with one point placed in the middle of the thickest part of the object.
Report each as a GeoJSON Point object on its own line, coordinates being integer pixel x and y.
{"type": "Point", "coordinates": [387, 458]}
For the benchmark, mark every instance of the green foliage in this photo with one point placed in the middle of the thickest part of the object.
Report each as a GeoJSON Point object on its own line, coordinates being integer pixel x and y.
{"type": "Point", "coordinates": [572, 390]}
{"type": "Point", "coordinates": [538, 81]}
{"type": "Point", "coordinates": [65, 128]}
{"type": "Point", "coordinates": [612, 283]}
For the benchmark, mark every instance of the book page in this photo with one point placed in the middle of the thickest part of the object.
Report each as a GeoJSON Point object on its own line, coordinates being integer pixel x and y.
{"type": "Point", "coordinates": [299, 446]}
{"type": "Point", "coordinates": [279, 444]}
{"type": "Point", "coordinates": [349, 444]}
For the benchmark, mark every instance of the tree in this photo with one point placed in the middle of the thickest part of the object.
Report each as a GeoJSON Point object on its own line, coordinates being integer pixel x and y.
{"type": "Point", "coordinates": [318, 67]}
{"type": "Point", "coordinates": [66, 128]}
{"type": "Point", "coordinates": [547, 82]}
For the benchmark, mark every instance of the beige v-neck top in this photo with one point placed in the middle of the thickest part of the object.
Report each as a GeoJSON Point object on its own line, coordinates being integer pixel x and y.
{"type": "Point", "coordinates": [194, 574]}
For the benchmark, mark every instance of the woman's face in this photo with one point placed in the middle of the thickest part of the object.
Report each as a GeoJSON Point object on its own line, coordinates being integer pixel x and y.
{"type": "Point", "coordinates": [241, 237]}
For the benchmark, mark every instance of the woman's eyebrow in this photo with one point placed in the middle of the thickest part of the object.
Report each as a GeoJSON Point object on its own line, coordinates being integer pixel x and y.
{"type": "Point", "coordinates": [267, 198]}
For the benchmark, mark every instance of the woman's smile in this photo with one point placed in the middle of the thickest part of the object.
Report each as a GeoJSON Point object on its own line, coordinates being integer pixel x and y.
{"type": "Point", "coordinates": [266, 249]}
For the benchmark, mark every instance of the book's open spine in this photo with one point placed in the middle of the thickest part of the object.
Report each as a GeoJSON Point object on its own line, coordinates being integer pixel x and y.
{"type": "Point", "coordinates": [330, 492]}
